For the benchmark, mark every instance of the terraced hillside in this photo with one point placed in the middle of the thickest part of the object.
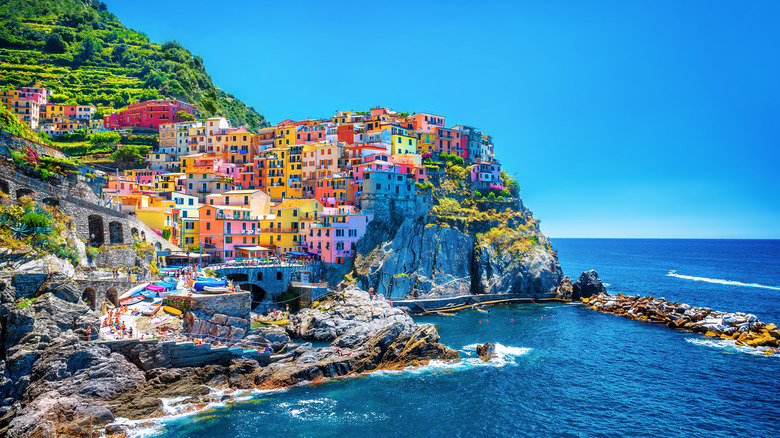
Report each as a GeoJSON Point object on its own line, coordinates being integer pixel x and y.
{"type": "Point", "coordinates": [83, 52]}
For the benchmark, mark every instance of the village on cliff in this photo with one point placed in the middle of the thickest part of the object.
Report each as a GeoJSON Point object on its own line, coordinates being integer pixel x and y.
{"type": "Point", "coordinates": [303, 189]}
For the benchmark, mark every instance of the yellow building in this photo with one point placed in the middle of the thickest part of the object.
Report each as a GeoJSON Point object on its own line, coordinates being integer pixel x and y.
{"type": "Point", "coordinates": [402, 141]}
{"type": "Point", "coordinates": [7, 97]}
{"type": "Point", "coordinates": [285, 135]}
{"type": "Point", "coordinates": [426, 142]}
{"type": "Point", "coordinates": [241, 147]}
{"type": "Point", "coordinates": [284, 229]}
{"type": "Point", "coordinates": [158, 215]}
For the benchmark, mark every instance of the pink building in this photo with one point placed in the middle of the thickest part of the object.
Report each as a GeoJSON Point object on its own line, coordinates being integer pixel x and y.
{"type": "Point", "coordinates": [37, 95]}
{"type": "Point", "coordinates": [451, 141]}
{"type": "Point", "coordinates": [485, 174]}
{"type": "Point", "coordinates": [424, 122]}
{"type": "Point", "coordinates": [150, 114]}
{"type": "Point", "coordinates": [336, 235]}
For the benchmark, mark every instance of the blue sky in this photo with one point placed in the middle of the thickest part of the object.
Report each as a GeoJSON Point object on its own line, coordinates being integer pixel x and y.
{"type": "Point", "coordinates": [619, 119]}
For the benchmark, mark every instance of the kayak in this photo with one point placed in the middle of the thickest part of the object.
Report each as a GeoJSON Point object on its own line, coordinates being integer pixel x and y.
{"type": "Point", "coordinates": [156, 288]}
{"type": "Point", "coordinates": [129, 301]}
{"type": "Point", "coordinates": [279, 322]}
{"type": "Point", "coordinates": [216, 289]}
{"type": "Point", "coordinates": [482, 310]}
{"type": "Point", "coordinates": [134, 290]}
{"type": "Point", "coordinates": [444, 314]}
{"type": "Point", "coordinates": [151, 309]}
{"type": "Point", "coordinates": [172, 310]}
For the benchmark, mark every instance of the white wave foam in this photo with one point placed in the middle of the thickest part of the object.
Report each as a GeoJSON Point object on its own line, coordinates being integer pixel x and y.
{"type": "Point", "coordinates": [726, 344]}
{"type": "Point", "coordinates": [178, 407]}
{"type": "Point", "coordinates": [719, 281]}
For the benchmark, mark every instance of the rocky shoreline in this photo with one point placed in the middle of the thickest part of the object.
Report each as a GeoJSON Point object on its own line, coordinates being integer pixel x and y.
{"type": "Point", "coordinates": [743, 329]}
{"type": "Point", "coordinates": [53, 383]}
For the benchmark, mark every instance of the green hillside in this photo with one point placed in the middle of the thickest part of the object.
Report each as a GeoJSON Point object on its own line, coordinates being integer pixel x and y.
{"type": "Point", "coordinates": [81, 51]}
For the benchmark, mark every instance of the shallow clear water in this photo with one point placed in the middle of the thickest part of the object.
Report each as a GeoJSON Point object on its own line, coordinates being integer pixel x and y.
{"type": "Point", "coordinates": [563, 369]}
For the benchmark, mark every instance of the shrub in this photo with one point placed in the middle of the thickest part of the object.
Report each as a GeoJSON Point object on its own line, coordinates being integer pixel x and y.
{"type": "Point", "coordinates": [477, 194]}
{"type": "Point", "coordinates": [491, 195]}
{"type": "Point", "coordinates": [35, 220]}
{"type": "Point", "coordinates": [106, 137]}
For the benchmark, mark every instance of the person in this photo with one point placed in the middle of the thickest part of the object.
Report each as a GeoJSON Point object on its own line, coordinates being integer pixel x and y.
{"type": "Point", "coordinates": [339, 351]}
{"type": "Point", "coordinates": [89, 333]}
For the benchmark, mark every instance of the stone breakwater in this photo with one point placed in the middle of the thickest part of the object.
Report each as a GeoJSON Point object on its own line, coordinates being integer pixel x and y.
{"type": "Point", "coordinates": [744, 329]}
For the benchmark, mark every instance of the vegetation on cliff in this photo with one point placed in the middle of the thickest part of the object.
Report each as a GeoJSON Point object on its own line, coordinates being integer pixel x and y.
{"type": "Point", "coordinates": [82, 52]}
{"type": "Point", "coordinates": [26, 225]}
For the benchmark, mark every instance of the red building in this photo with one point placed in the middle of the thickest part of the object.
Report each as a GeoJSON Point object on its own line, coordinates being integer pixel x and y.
{"type": "Point", "coordinates": [150, 114]}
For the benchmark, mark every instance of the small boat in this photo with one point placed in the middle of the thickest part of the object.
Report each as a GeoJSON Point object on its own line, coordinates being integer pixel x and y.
{"type": "Point", "coordinates": [129, 301]}
{"type": "Point", "coordinates": [216, 289]}
{"type": "Point", "coordinates": [151, 309]}
{"type": "Point", "coordinates": [479, 309]}
{"type": "Point", "coordinates": [134, 290]}
{"type": "Point", "coordinates": [445, 314]}
{"type": "Point", "coordinates": [172, 310]}
{"type": "Point", "coordinates": [277, 322]}
{"type": "Point", "coordinates": [149, 293]}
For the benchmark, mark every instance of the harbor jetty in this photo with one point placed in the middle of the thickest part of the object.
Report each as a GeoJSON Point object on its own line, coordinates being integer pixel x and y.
{"type": "Point", "coordinates": [744, 329]}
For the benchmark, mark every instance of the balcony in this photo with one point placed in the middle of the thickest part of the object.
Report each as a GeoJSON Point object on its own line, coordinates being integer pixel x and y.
{"type": "Point", "coordinates": [280, 230]}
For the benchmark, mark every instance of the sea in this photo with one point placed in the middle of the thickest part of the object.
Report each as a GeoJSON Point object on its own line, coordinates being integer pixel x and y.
{"type": "Point", "coordinates": [562, 369]}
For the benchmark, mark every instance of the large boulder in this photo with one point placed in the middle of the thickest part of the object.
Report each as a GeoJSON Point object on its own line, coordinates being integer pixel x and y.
{"type": "Point", "coordinates": [588, 285]}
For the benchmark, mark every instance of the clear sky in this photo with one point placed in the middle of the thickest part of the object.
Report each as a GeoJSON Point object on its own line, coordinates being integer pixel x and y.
{"type": "Point", "coordinates": [618, 118]}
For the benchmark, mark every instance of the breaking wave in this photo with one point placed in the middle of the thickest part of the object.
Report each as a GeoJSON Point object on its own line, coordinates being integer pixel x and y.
{"type": "Point", "coordinates": [719, 281]}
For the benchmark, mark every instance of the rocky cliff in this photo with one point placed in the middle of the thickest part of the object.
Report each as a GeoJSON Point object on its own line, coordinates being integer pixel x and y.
{"type": "Point", "coordinates": [435, 257]}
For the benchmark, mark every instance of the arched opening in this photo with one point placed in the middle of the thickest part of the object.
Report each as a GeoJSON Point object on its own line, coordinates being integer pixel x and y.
{"type": "Point", "coordinates": [134, 233]}
{"type": "Point", "coordinates": [237, 277]}
{"type": "Point", "coordinates": [95, 230]}
{"type": "Point", "coordinates": [112, 296]}
{"type": "Point", "coordinates": [143, 235]}
{"type": "Point", "coordinates": [115, 233]}
{"type": "Point", "coordinates": [51, 202]}
{"type": "Point", "coordinates": [259, 276]}
{"type": "Point", "coordinates": [4, 187]}
{"type": "Point", "coordinates": [278, 275]}
{"type": "Point", "coordinates": [24, 192]}
{"type": "Point", "coordinates": [258, 293]}
{"type": "Point", "coordinates": [158, 246]}
{"type": "Point", "coordinates": [88, 296]}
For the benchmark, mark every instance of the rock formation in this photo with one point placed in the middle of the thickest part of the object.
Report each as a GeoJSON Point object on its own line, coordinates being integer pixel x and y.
{"type": "Point", "coordinates": [424, 260]}
{"type": "Point", "coordinates": [54, 383]}
{"type": "Point", "coordinates": [744, 329]}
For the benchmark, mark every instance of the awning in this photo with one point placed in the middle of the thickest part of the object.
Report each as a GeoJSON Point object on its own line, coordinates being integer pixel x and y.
{"type": "Point", "coordinates": [251, 248]}
{"type": "Point", "coordinates": [187, 255]}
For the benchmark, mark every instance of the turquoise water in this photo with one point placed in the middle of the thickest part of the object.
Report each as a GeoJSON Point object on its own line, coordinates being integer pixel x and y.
{"type": "Point", "coordinates": [563, 369]}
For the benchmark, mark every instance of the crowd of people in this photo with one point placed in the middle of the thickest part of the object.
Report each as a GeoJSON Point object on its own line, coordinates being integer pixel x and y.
{"type": "Point", "coordinates": [115, 323]}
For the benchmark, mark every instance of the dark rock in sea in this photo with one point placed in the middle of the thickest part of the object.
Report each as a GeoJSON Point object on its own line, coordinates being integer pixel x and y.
{"type": "Point", "coordinates": [486, 351]}
{"type": "Point", "coordinates": [588, 285]}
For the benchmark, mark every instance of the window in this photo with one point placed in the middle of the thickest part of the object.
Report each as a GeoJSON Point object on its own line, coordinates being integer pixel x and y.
{"type": "Point", "coordinates": [228, 239]}
{"type": "Point", "coordinates": [189, 201]}
{"type": "Point", "coordinates": [208, 225]}
{"type": "Point", "coordinates": [208, 211]}
{"type": "Point", "coordinates": [278, 275]}
{"type": "Point", "coordinates": [378, 186]}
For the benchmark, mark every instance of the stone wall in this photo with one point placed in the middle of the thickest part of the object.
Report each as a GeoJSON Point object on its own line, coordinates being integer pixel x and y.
{"type": "Point", "coordinates": [77, 200]}
{"type": "Point", "coordinates": [116, 258]}
{"type": "Point", "coordinates": [152, 354]}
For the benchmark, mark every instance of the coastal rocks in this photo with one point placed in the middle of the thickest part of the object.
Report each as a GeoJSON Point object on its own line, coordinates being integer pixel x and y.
{"type": "Point", "coordinates": [418, 260]}
{"type": "Point", "coordinates": [536, 274]}
{"type": "Point", "coordinates": [744, 329]}
{"type": "Point", "coordinates": [588, 284]}
{"type": "Point", "coordinates": [426, 260]}
{"type": "Point", "coordinates": [486, 352]}
{"type": "Point", "coordinates": [565, 289]}
{"type": "Point", "coordinates": [219, 327]}
{"type": "Point", "coordinates": [271, 336]}
{"type": "Point", "coordinates": [367, 334]}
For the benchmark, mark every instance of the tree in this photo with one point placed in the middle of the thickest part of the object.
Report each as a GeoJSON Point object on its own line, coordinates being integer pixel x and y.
{"type": "Point", "coordinates": [89, 47]}
{"type": "Point", "coordinates": [118, 51]}
{"type": "Point", "coordinates": [128, 153]}
{"type": "Point", "coordinates": [184, 116]}
{"type": "Point", "coordinates": [448, 206]}
{"type": "Point", "coordinates": [55, 44]}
